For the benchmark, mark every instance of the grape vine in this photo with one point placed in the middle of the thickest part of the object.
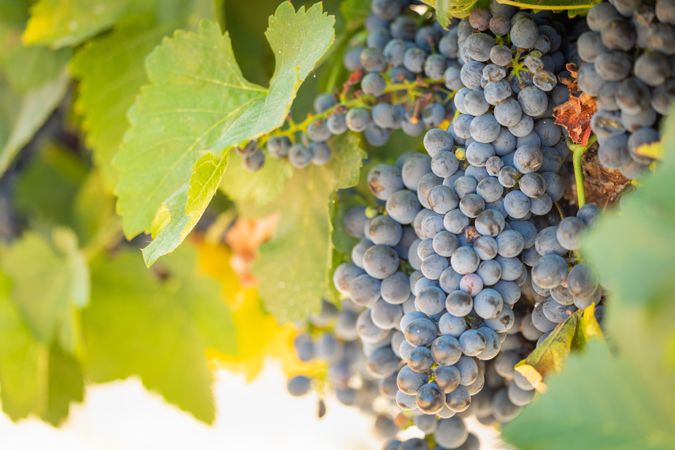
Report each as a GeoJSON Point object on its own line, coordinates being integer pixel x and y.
{"type": "Point", "coordinates": [450, 215]}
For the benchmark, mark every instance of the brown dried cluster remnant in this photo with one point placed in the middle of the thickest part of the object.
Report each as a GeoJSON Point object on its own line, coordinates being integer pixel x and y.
{"type": "Point", "coordinates": [353, 80]}
{"type": "Point", "coordinates": [244, 238]}
{"type": "Point", "coordinates": [576, 113]}
{"type": "Point", "coordinates": [601, 186]}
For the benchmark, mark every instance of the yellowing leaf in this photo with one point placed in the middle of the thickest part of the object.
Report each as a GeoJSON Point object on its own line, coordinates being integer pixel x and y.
{"type": "Point", "coordinates": [446, 9]}
{"type": "Point", "coordinates": [552, 5]}
{"type": "Point", "coordinates": [259, 335]}
{"type": "Point", "coordinates": [653, 150]}
{"type": "Point", "coordinates": [181, 212]}
{"type": "Point", "coordinates": [588, 328]}
{"type": "Point", "coordinates": [61, 23]}
{"type": "Point", "coordinates": [549, 356]}
{"type": "Point", "coordinates": [532, 375]}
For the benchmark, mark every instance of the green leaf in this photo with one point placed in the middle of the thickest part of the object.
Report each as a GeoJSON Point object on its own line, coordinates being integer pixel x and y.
{"type": "Point", "coordinates": [48, 186]}
{"type": "Point", "coordinates": [55, 190]}
{"type": "Point", "coordinates": [20, 356]}
{"type": "Point", "coordinates": [47, 285]}
{"type": "Point", "coordinates": [355, 12]}
{"type": "Point", "coordinates": [642, 265]}
{"type": "Point", "coordinates": [22, 116]}
{"type": "Point", "coordinates": [173, 222]}
{"type": "Point", "coordinates": [65, 384]}
{"type": "Point", "coordinates": [549, 357]}
{"type": "Point", "coordinates": [112, 63]}
{"type": "Point", "coordinates": [93, 210]}
{"type": "Point", "coordinates": [30, 67]}
{"type": "Point", "coordinates": [32, 83]}
{"type": "Point", "coordinates": [198, 101]}
{"type": "Point", "coordinates": [116, 61]}
{"type": "Point", "coordinates": [61, 23]}
{"type": "Point", "coordinates": [446, 9]}
{"type": "Point", "coordinates": [34, 378]}
{"type": "Point", "coordinates": [443, 12]}
{"type": "Point", "coordinates": [292, 268]}
{"type": "Point", "coordinates": [552, 5]}
{"type": "Point", "coordinates": [600, 401]}
{"type": "Point", "coordinates": [158, 329]}
{"type": "Point", "coordinates": [259, 188]}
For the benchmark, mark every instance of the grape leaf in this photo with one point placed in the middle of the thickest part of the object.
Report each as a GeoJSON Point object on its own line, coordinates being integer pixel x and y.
{"type": "Point", "coordinates": [255, 344]}
{"type": "Point", "coordinates": [255, 188]}
{"type": "Point", "coordinates": [113, 62]}
{"type": "Point", "coordinates": [292, 268]}
{"type": "Point", "coordinates": [47, 284]}
{"type": "Point", "coordinates": [32, 83]}
{"type": "Point", "coordinates": [600, 401]}
{"type": "Point", "coordinates": [21, 116]}
{"type": "Point", "coordinates": [587, 329]}
{"type": "Point", "coordinates": [644, 226]}
{"type": "Point", "coordinates": [446, 9]}
{"type": "Point", "coordinates": [443, 12]}
{"type": "Point", "coordinates": [116, 61]}
{"type": "Point", "coordinates": [55, 189]}
{"type": "Point", "coordinates": [198, 101]}
{"type": "Point", "coordinates": [181, 212]}
{"type": "Point", "coordinates": [355, 12]}
{"type": "Point", "coordinates": [30, 67]}
{"type": "Point", "coordinates": [61, 23]}
{"type": "Point", "coordinates": [47, 187]}
{"type": "Point", "coordinates": [35, 378]}
{"type": "Point", "coordinates": [549, 357]}
{"type": "Point", "coordinates": [160, 330]}
{"type": "Point", "coordinates": [93, 211]}
{"type": "Point", "coordinates": [65, 384]}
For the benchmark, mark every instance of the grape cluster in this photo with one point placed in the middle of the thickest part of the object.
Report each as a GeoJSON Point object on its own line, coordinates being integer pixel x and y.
{"type": "Point", "coordinates": [628, 57]}
{"type": "Point", "coordinates": [464, 268]}
{"type": "Point", "coordinates": [463, 265]}
{"type": "Point", "coordinates": [332, 338]}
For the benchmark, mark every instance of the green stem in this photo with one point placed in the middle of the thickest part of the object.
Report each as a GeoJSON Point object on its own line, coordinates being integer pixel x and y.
{"type": "Point", "coordinates": [578, 151]}
{"type": "Point", "coordinates": [414, 89]}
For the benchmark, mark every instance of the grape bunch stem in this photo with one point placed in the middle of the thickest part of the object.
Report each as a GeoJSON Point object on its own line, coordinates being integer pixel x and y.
{"type": "Point", "coordinates": [413, 89]}
{"type": "Point", "coordinates": [578, 151]}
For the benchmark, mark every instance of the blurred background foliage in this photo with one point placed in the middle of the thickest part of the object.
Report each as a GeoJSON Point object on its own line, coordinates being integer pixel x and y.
{"type": "Point", "coordinates": [77, 304]}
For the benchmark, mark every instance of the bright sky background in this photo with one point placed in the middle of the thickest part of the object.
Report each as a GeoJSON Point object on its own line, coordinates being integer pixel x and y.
{"type": "Point", "coordinates": [256, 416]}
